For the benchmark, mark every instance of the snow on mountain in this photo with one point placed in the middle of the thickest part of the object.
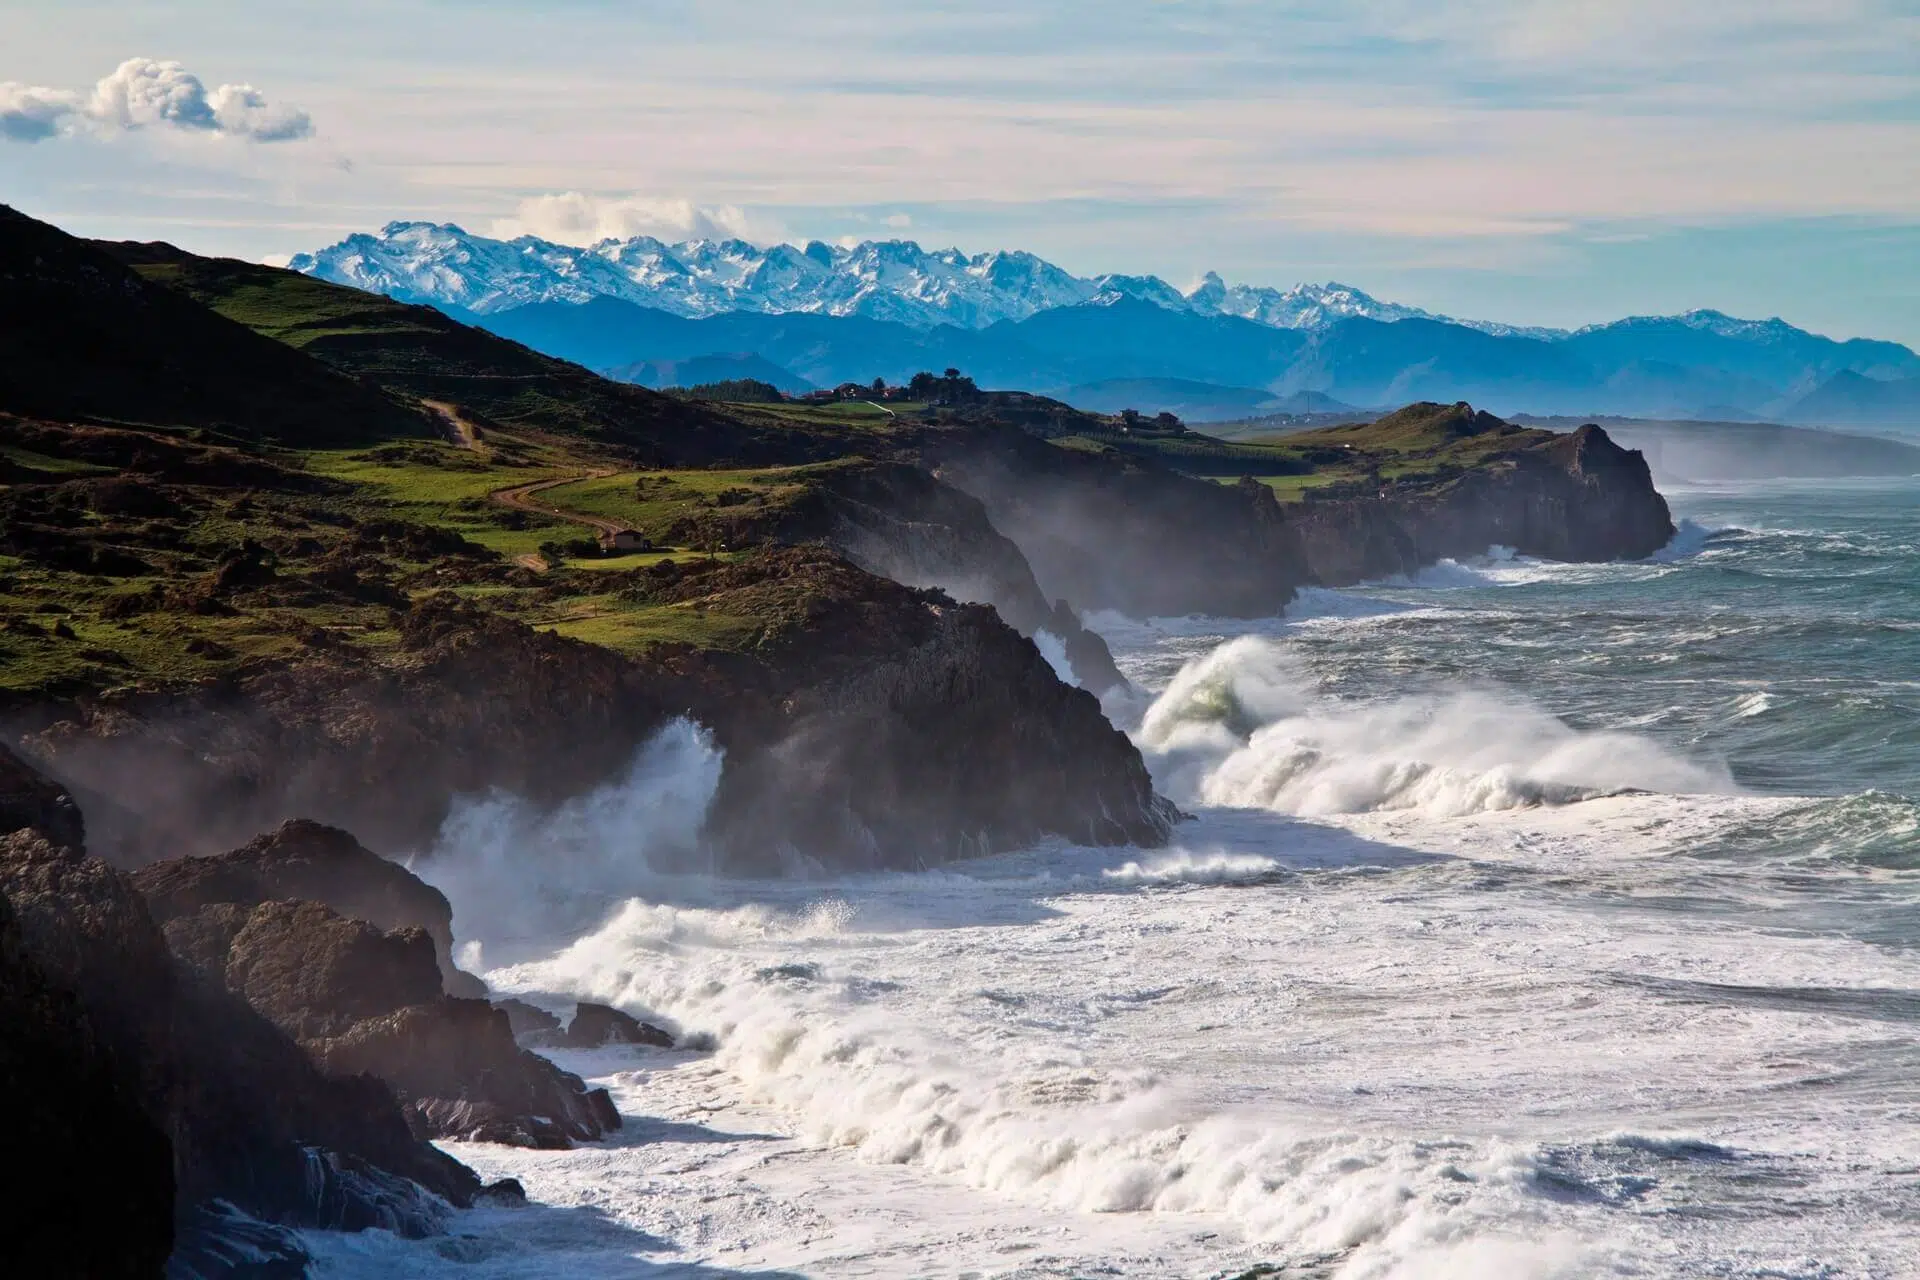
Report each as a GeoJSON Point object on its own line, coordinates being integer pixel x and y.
{"type": "Point", "coordinates": [894, 280]}
{"type": "Point", "coordinates": [1305, 306]}
{"type": "Point", "coordinates": [883, 280]}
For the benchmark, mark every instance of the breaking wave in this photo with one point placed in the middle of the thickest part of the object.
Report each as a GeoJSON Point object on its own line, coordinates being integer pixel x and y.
{"type": "Point", "coordinates": [1239, 727]}
{"type": "Point", "coordinates": [517, 873]}
{"type": "Point", "coordinates": [1044, 1125]}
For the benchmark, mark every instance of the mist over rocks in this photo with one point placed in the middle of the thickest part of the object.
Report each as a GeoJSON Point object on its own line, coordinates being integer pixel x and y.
{"type": "Point", "coordinates": [1125, 533]}
{"type": "Point", "coordinates": [985, 748]}
{"type": "Point", "coordinates": [921, 731]}
{"type": "Point", "coordinates": [902, 522]}
{"type": "Point", "coordinates": [476, 701]}
{"type": "Point", "coordinates": [29, 799]}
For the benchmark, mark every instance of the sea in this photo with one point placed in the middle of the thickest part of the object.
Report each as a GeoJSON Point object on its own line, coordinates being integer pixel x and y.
{"type": "Point", "coordinates": [1533, 920]}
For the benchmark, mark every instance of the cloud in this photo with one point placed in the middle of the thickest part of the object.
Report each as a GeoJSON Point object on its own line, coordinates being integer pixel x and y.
{"type": "Point", "coordinates": [29, 114]}
{"type": "Point", "coordinates": [146, 93]}
{"type": "Point", "coordinates": [574, 217]}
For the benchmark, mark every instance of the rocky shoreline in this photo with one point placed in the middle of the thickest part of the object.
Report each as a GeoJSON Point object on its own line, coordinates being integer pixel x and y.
{"type": "Point", "coordinates": [277, 604]}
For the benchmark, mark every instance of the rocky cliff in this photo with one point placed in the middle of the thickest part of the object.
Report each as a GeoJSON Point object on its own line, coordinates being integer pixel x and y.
{"type": "Point", "coordinates": [1577, 497]}
{"type": "Point", "coordinates": [210, 1101]}
{"type": "Point", "coordinates": [887, 725]}
{"type": "Point", "coordinates": [1109, 531]}
{"type": "Point", "coordinates": [901, 522]}
{"type": "Point", "coordinates": [898, 728]}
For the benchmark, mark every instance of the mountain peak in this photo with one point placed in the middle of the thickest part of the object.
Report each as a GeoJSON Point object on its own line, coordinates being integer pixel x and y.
{"type": "Point", "coordinates": [895, 280]}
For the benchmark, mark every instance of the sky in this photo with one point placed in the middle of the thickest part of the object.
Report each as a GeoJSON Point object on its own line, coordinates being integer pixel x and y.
{"type": "Point", "coordinates": [1534, 161]}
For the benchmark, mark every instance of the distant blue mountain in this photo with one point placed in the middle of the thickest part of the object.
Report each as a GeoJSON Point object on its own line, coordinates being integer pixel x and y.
{"type": "Point", "coordinates": [1703, 365]}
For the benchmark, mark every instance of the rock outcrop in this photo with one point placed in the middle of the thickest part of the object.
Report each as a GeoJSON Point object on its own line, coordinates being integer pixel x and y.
{"type": "Point", "coordinates": [1120, 532]}
{"type": "Point", "coordinates": [362, 999]}
{"type": "Point", "coordinates": [866, 724]}
{"type": "Point", "coordinates": [461, 1074]}
{"type": "Point", "coordinates": [885, 726]}
{"type": "Point", "coordinates": [594, 1025]}
{"type": "Point", "coordinates": [251, 1121]}
{"type": "Point", "coordinates": [1575, 497]}
{"type": "Point", "coordinates": [528, 1021]}
{"type": "Point", "coordinates": [307, 860]}
{"type": "Point", "coordinates": [903, 523]}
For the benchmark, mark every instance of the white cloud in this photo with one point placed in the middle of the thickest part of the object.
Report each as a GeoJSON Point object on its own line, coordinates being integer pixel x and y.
{"type": "Point", "coordinates": [29, 114]}
{"type": "Point", "coordinates": [574, 217]}
{"type": "Point", "coordinates": [899, 220]}
{"type": "Point", "coordinates": [243, 109]}
{"type": "Point", "coordinates": [146, 93]}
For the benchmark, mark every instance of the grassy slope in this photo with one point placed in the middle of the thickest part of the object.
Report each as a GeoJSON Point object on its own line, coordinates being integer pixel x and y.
{"type": "Point", "coordinates": [1421, 446]}
{"type": "Point", "coordinates": [81, 336]}
{"type": "Point", "coordinates": [387, 526]}
{"type": "Point", "coordinates": [210, 566]}
{"type": "Point", "coordinates": [417, 353]}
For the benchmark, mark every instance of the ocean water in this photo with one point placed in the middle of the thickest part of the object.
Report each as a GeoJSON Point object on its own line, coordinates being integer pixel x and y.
{"type": "Point", "coordinates": [1535, 921]}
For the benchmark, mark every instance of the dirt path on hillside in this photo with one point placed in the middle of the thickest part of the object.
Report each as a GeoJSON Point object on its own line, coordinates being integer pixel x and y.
{"type": "Point", "coordinates": [459, 430]}
{"type": "Point", "coordinates": [521, 498]}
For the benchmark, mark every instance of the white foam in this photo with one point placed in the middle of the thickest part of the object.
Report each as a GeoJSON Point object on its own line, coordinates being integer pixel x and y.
{"type": "Point", "coordinates": [1446, 1025]}
{"type": "Point", "coordinates": [1242, 727]}
{"type": "Point", "coordinates": [1184, 867]}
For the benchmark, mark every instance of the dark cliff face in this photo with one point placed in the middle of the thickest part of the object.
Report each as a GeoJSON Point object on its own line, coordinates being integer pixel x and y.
{"type": "Point", "coordinates": [76, 1114]}
{"type": "Point", "coordinates": [898, 521]}
{"type": "Point", "coordinates": [209, 1101]}
{"type": "Point", "coordinates": [893, 727]}
{"type": "Point", "coordinates": [1578, 497]}
{"type": "Point", "coordinates": [478, 702]}
{"type": "Point", "coordinates": [1112, 532]}
{"type": "Point", "coordinates": [985, 746]}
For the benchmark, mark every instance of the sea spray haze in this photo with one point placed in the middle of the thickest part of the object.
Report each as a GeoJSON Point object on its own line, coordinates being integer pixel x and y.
{"type": "Point", "coordinates": [519, 876]}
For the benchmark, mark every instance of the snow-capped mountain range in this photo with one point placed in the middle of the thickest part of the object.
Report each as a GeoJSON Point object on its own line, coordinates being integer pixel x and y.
{"type": "Point", "coordinates": [894, 280]}
{"type": "Point", "coordinates": [819, 315]}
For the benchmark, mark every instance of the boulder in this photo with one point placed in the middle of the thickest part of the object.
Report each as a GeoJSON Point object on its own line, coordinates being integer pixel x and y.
{"type": "Point", "coordinates": [456, 1066]}
{"type": "Point", "coordinates": [317, 863]}
{"type": "Point", "coordinates": [596, 1024]}
{"type": "Point", "coordinates": [314, 973]}
{"type": "Point", "coordinates": [367, 1004]}
{"type": "Point", "coordinates": [526, 1019]}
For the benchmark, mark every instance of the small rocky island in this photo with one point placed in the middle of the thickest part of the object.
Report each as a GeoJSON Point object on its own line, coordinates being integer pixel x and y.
{"type": "Point", "coordinates": [281, 557]}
